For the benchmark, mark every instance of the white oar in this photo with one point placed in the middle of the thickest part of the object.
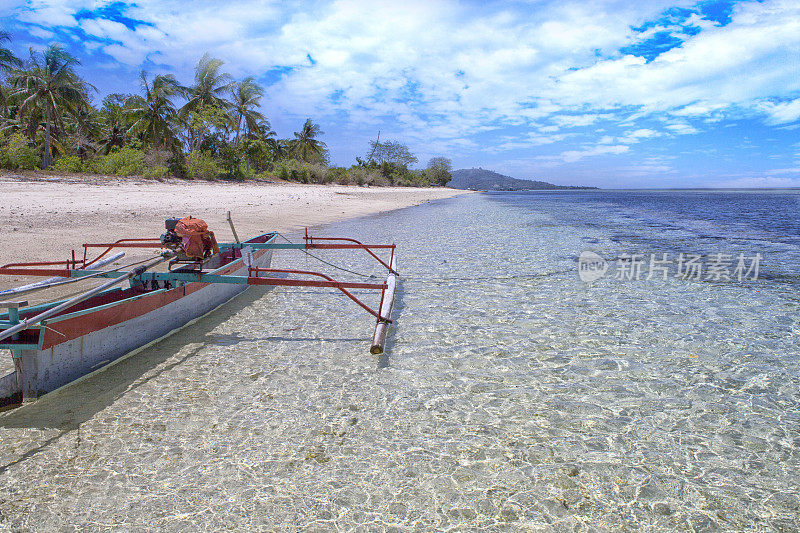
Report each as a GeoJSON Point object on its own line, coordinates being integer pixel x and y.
{"type": "Point", "coordinates": [24, 324]}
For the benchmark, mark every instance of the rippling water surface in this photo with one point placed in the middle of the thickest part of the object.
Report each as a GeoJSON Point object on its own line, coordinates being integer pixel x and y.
{"type": "Point", "coordinates": [514, 396]}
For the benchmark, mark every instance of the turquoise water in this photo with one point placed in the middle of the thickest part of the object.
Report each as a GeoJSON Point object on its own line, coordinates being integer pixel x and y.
{"type": "Point", "coordinates": [513, 396]}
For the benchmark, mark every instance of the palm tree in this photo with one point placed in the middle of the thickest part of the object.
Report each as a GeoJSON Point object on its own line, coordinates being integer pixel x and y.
{"type": "Point", "coordinates": [279, 148]}
{"type": "Point", "coordinates": [153, 116]}
{"type": "Point", "coordinates": [305, 146]}
{"type": "Point", "coordinates": [209, 86]}
{"type": "Point", "coordinates": [7, 58]}
{"type": "Point", "coordinates": [7, 62]}
{"type": "Point", "coordinates": [113, 118]}
{"type": "Point", "coordinates": [45, 88]}
{"type": "Point", "coordinates": [246, 97]}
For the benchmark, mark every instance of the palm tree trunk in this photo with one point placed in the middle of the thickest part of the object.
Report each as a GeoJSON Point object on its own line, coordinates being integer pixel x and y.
{"type": "Point", "coordinates": [238, 127]}
{"type": "Point", "coordinates": [46, 159]}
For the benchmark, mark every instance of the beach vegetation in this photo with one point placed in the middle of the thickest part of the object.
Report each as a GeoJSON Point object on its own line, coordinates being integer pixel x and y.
{"type": "Point", "coordinates": [202, 165]}
{"type": "Point", "coordinates": [213, 127]}
{"type": "Point", "coordinates": [210, 86]}
{"type": "Point", "coordinates": [306, 147]}
{"type": "Point", "coordinates": [126, 161]}
{"type": "Point", "coordinates": [207, 125]}
{"type": "Point", "coordinates": [391, 153]}
{"type": "Point", "coordinates": [7, 61]}
{"type": "Point", "coordinates": [152, 116]}
{"type": "Point", "coordinates": [113, 122]}
{"type": "Point", "coordinates": [300, 171]}
{"type": "Point", "coordinates": [439, 171]}
{"type": "Point", "coordinates": [246, 98]}
{"type": "Point", "coordinates": [7, 58]}
{"type": "Point", "coordinates": [157, 171]}
{"type": "Point", "coordinates": [44, 89]}
{"type": "Point", "coordinates": [68, 163]}
{"type": "Point", "coordinates": [21, 154]}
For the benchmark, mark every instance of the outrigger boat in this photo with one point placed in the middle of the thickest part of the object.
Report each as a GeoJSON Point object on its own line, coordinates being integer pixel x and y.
{"type": "Point", "coordinates": [56, 343]}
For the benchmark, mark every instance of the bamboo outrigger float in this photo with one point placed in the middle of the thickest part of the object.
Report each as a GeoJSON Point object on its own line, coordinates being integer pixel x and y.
{"type": "Point", "coordinates": [56, 343]}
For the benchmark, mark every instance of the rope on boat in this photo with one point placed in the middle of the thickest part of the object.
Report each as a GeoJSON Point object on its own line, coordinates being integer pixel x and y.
{"type": "Point", "coordinates": [436, 280]}
{"type": "Point", "coordinates": [327, 262]}
{"type": "Point", "coordinates": [489, 278]}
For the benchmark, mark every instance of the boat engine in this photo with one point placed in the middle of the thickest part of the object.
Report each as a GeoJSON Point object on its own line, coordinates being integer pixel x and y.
{"type": "Point", "coordinates": [170, 239]}
{"type": "Point", "coordinates": [190, 238]}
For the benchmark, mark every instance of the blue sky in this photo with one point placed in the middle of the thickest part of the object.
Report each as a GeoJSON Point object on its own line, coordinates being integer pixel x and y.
{"type": "Point", "coordinates": [609, 93]}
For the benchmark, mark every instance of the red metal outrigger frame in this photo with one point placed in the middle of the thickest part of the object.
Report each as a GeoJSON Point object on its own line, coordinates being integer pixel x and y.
{"type": "Point", "coordinates": [330, 282]}
{"type": "Point", "coordinates": [357, 245]}
{"type": "Point", "coordinates": [24, 269]}
{"type": "Point", "coordinates": [21, 269]}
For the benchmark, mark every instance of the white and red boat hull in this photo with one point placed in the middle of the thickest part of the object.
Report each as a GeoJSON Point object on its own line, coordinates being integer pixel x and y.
{"type": "Point", "coordinates": [79, 343]}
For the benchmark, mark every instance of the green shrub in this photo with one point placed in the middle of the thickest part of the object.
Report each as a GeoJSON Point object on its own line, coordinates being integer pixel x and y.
{"type": "Point", "coordinates": [359, 176]}
{"type": "Point", "coordinates": [201, 165]}
{"type": "Point", "coordinates": [21, 154]}
{"type": "Point", "coordinates": [439, 171]}
{"type": "Point", "coordinates": [68, 163]}
{"type": "Point", "coordinates": [176, 165]}
{"type": "Point", "coordinates": [156, 171]}
{"type": "Point", "coordinates": [336, 175]}
{"type": "Point", "coordinates": [293, 170]}
{"type": "Point", "coordinates": [5, 162]}
{"type": "Point", "coordinates": [126, 161]}
{"type": "Point", "coordinates": [377, 180]}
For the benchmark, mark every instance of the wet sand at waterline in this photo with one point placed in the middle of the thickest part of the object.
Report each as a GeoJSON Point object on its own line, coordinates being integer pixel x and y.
{"type": "Point", "coordinates": [43, 218]}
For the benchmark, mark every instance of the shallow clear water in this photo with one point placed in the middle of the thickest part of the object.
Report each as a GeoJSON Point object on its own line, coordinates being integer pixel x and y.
{"type": "Point", "coordinates": [514, 395]}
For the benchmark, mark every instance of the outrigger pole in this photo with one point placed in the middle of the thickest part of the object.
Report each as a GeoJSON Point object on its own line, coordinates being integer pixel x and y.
{"type": "Point", "coordinates": [385, 309]}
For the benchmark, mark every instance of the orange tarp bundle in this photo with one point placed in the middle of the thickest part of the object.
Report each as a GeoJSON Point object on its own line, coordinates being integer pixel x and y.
{"type": "Point", "coordinates": [198, 241]}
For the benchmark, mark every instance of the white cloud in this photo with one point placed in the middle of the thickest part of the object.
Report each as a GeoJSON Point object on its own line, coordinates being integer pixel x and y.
{"type": "Point", "coordinates": [40, 32]}
{"type": "Point", "coordinates": [570, 156]}
{"type": "Point", "coordinates": [759, 182]}
{"type": "Point", "coordinates": [782, 113]}
{"type": "Point", "coordinates": [635, 136]}
{"type": "Point", "coordinates": [49, 13]}
{"type": "Point", "coordinates": [721, 66]}
{"type": "Point", "coordinates": [785, 171]}
{"type": "Point", "coordinates": [682, 128]}
{"type": "Point", "coordinates": [572, 121]}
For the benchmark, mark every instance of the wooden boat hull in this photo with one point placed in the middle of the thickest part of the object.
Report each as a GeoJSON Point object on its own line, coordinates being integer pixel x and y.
{"type": "Point", "coordinates": [73, 346]}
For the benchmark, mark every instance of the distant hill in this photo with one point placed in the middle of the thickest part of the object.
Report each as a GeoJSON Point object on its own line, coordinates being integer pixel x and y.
{"type": "Point", "coordinates": [485, 180]}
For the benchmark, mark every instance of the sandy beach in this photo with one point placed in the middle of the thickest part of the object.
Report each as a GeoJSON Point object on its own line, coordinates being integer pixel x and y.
{"type": "Point", "coordinates": [45, 217]}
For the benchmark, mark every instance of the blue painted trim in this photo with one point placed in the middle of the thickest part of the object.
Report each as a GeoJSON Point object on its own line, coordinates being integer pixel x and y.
{"type": "Point", "coordinates": [265, 246]}
{"type": "Point", "coordinates": [16, 348]}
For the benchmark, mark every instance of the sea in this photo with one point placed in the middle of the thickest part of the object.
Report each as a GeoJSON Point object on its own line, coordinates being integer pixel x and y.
{"type": "Point", "coordinates": [559, 360]}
